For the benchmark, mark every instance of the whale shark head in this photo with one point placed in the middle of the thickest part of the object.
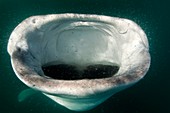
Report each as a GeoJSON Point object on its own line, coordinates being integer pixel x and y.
{"type": "Point", "coordinates": [78, 60]}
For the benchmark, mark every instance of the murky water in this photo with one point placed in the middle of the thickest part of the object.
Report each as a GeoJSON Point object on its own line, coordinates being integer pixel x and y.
{"type": "Point", "coordinates": [150, 95]}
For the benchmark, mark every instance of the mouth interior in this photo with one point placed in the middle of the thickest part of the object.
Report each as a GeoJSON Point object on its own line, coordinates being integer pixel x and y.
{"type": "Point", "coordinates": [71, 72]}
{"type": "Point", "coordinates": [80, 50]}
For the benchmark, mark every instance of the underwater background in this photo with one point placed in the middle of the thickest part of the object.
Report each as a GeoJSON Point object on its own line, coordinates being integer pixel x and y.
{"type": "Point", "coordinates": [150, 95]}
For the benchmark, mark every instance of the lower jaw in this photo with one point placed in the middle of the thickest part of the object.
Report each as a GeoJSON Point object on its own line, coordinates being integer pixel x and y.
{"type": "Point", "coordinates": [85, 103]}
{"type": "Point", "coordinates": [78, 104]}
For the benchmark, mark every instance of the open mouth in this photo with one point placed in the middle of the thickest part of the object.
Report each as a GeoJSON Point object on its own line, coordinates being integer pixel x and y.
{"type": "Point", "coordinates": [70, 72]}
{"type": "Point", "coordinates": [75, 50]}
{"type": "Point", "coordinates": [79, 60]}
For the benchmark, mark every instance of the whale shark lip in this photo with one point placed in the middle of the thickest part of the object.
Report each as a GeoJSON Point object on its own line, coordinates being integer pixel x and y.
{"type": "Point", "coordinates": [78, 56]}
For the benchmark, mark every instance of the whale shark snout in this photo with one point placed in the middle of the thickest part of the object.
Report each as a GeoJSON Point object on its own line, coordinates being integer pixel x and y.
{"type": "Point", "coordinates": [78, 60]}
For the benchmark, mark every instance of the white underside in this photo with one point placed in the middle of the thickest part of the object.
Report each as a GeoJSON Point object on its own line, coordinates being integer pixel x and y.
{"type": "Point", "coordinates": [86, 103]}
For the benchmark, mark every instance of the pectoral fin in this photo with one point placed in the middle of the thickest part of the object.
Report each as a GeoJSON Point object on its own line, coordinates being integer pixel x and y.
{"type": "Point", "coordinates": [26, 94]}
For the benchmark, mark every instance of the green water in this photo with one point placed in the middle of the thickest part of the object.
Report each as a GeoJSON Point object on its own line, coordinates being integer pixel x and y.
{"type": "Point", "coordinates": [150, 95]}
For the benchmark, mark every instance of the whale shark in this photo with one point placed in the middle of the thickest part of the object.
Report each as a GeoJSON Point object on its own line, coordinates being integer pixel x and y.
{"type": "Point", "coordinates": [78, 60]}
